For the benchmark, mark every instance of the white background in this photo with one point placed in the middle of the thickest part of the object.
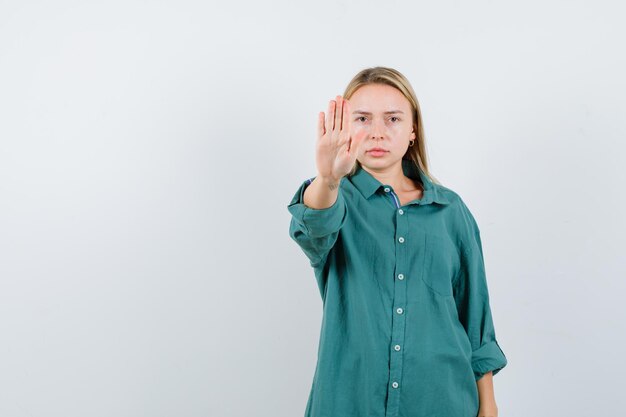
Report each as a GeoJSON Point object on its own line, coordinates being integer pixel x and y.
{"type": "Point", "coordinates": [148, 151]}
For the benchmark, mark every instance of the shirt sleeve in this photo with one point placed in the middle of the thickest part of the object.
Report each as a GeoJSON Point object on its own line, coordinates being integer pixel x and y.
{"type": "Point", "coordinates": [472, 300]}
{"type": "Point", "coordinates": [315, 230]}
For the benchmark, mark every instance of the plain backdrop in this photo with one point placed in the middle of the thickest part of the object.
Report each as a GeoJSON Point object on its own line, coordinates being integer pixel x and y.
{"type": "Point", "coordinates": [149, 150]}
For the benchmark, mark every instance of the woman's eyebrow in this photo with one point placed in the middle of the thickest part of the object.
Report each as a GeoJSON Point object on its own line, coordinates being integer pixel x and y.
{"type": "Point", "coordinates": [369, 114]}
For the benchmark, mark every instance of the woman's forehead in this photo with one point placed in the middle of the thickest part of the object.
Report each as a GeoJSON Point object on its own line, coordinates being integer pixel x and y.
{"type": "Point", "coordinates": [378, 98]}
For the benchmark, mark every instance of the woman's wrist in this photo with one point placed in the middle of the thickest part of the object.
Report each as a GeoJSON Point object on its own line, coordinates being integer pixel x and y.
{"type": "Point", "coordinates": [330, 182]}
{"type": "Point", "coordinates": [488, 410]}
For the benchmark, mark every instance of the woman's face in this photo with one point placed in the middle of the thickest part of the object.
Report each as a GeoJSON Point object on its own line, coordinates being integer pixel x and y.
{"type": "Point", "coordinates": [386, 115]}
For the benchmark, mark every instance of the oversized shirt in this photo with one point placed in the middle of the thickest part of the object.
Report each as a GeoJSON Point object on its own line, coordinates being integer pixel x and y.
{"type": "Point", "coordinates": [407, 328]}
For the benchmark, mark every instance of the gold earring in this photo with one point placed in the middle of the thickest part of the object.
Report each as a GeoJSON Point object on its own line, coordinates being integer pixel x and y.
{"type": "Point", "coordinates": [412, 142]}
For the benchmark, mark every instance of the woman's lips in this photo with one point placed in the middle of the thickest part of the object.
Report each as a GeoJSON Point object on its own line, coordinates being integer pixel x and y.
{"type": "Point", "coordinates": [377, 152]}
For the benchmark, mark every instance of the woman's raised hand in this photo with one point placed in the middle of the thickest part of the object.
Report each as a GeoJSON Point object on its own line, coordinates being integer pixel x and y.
{"type": "Point", "coordinates": [336, 150]}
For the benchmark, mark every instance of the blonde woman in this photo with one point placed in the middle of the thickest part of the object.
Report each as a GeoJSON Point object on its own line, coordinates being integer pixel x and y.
{"type": "Point", "coordinates": [407, 328]}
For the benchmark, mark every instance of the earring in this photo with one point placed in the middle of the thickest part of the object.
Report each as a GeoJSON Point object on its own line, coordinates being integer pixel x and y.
{"type": "Point", "coordinates": [412, 142]}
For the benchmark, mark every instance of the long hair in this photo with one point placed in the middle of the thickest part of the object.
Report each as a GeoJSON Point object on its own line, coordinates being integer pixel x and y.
{"type": "Point", "coordinates": [389, 76]}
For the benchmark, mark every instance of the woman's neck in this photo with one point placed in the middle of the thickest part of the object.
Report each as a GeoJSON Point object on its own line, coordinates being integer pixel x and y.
{"type": "Point", "coordinates": [394, 176]}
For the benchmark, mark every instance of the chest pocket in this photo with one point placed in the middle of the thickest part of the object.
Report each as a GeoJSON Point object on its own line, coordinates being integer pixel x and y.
{"type": "Point", "coordinates": [441, 264]}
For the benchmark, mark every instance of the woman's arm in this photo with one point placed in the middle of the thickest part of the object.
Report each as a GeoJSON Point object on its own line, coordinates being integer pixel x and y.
{"type": "Point", "coordinates": [318, 207]}
{"type": "Point", "coordinates": [486, 396]}
{"type": "Point", "coordinates": [471, 295]}
{"type": "Point", "coordinates": [321, 193]}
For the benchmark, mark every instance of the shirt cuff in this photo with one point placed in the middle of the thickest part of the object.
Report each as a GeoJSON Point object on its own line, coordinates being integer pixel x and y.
{"type": "Point", "coordinates": [488, 357]}
{"type": "Point", "coordinates": [317, 222]}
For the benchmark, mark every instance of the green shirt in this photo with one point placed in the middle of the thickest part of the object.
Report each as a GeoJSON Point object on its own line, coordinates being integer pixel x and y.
{"type": "Point", "coordinates": [407, 328]}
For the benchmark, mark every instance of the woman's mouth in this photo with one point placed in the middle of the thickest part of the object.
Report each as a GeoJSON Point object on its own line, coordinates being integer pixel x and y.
{"type": "Point", "coordinates": [377, 152]}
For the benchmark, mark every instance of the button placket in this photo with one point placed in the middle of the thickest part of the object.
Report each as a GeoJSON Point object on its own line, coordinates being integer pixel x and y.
{"type": "Point", "coordinates": [398, 322]}
{"type": "Point", "coordinates": [394, 198]}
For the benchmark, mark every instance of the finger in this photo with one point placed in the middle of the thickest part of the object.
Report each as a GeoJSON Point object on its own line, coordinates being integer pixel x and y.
{"type": "Point", "coordinates": [344, 148]}
{"type": "Point", "coordinates": [320, 125]}
{"type": "Point", "coordinates": [338, 108]}
{"type": "Point", "coordinates": [330, 116]}
{"type": "Point", "coordinates": [345, 124]}
{"type": "Point", "coordinates": [357, 140]}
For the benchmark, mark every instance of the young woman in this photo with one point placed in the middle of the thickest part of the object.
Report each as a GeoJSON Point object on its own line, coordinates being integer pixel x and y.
{"type": "Point", "coordinates": [407, 328]}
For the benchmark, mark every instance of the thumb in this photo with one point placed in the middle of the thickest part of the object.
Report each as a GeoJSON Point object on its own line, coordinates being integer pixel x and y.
{"type": "Point", "coordinates": [356, 141]}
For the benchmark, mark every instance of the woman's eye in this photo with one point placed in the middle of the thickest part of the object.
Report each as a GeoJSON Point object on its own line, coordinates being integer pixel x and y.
{"type": "Point", "coordinates": [360, 117]}
{"type": "Point", "coordinates": [394, 117]}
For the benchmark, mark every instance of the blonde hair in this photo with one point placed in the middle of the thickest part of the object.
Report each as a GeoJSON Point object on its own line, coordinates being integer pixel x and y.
{"type": "Point", "coordinates": [389, 76]}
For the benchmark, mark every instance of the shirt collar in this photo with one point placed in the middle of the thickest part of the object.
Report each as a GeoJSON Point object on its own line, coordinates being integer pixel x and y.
{"type": "Point", "coordinates": [368, 184]}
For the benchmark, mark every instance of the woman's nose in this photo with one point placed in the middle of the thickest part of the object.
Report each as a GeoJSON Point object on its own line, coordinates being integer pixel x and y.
{"type": "Point", "coordinates": [378, 129]}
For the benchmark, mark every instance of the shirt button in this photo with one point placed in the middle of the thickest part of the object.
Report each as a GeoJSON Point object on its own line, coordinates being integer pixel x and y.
{"type": "Point", "coordinates": [386, 189]}
{"type": "Point", "coordinates": [401, 211]}
{"type": "Point", "coordinates": [401, 239]}
{"type": "Point", "coordinates": [397, 347]}
{"type": "Point", "coordinates": [394, 384]}
{"type": "Point", "coordinates": [400, 276]}
{"type": "Point", "coordinates": [399, 310]}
